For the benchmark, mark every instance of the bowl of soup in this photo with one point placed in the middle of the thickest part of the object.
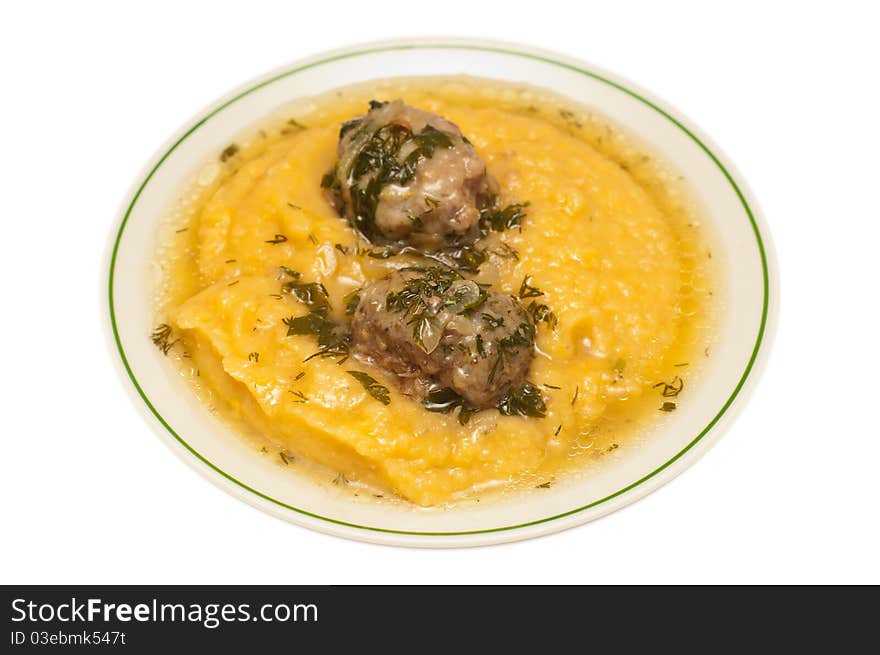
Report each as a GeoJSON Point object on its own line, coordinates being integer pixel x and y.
{"type": "Point", "coordinates": [439, 293]}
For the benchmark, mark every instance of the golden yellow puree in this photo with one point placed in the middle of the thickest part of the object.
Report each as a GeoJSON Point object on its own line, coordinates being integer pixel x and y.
{"type": "Point", "coordinates": [610, 238]}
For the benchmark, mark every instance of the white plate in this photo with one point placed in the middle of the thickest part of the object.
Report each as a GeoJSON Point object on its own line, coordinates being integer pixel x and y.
{"type": "Point", "coordinates": [210, 447]}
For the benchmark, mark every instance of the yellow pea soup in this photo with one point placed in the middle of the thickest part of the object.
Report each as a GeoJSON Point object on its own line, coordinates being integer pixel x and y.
{"type": "Point", "coordinates": [611, 238]}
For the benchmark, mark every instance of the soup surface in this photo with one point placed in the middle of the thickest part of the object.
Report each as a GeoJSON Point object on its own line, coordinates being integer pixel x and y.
{"type": "Point", "coordinates": [610, 242]}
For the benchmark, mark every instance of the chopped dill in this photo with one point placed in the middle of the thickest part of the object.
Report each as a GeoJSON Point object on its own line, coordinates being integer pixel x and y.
{"type": "Point", "coordinates": [551, 386]}
{"type": "Point", "coordinates": [287, 459]}
{"type": "Point", "coordinates": [161, 338]}
{"type": "Point", "coordinates": [279, 238]}
{"type": "Point", "coordinates": [574, 398]}
{"type": "Point", "coordinates": [254, 357]}
{"type": "Point", "coordinates": [671, 389]}
{"type": "Point", "coordinates": [668, 407]}
{"type": "Point", "coordinates": [558, 430]}
{"type": "Point", "coordinates": [506, 251]}
{"type": "Point", "coordinates": [526, 290]}
{"type": "Point", "coordinates": [543, 314]}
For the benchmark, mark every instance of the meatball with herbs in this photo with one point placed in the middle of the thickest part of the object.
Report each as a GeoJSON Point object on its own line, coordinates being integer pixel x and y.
{"type": "Point", "coordinates": [409, 176]}
{"type": "Point", "coordinates": [449, 340]}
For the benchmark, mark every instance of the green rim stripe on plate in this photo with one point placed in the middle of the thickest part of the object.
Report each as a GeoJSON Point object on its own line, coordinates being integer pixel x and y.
{"type": "Point", "coordinates": [275, 78]}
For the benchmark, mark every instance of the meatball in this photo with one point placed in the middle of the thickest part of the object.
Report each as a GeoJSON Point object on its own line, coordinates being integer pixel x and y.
{"type": "Point", "coordinates": [434, 329]}
{"type": "Point", "coordinates": [407, 175]}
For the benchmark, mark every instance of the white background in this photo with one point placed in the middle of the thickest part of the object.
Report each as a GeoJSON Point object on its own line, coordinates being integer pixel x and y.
{"type": "Point", "coordinates": [90, 494]}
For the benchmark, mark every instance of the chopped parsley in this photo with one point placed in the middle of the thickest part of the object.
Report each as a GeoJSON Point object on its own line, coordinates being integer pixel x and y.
{"type": "Point", "coordinates": [445, 399]}
{"type": "Point", "coordinates": [378, 163]}
{"type": "Point", "coordinates": [333, 339]}
{"type": "Point", "coordinates": [372, 387]}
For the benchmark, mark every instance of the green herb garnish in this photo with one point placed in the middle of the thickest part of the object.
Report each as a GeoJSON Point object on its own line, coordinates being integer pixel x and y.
{"type": "Point", "coordinates": [671, 389]}
{"type": "Point", "coordinates": [525, 400]}
{"type": "Point", "coordinates": [279, 238]}
{"type": "Point", "coordinates": [378, 162]}
{"type": "Point", "coordinates": [524, 335]}
{"type": "Point", "coordinates": [419, 294]}
{"type": "Point", "coordinates": [333, 339]}
{"type": "Point", "coordinates": [496, 219]}
{"type": "Point", "coordinates": [161, 338]}
{"type": "Point", "coordinates": [445, 399]}
{"type": "Point", "coordinates": [526, 290]}
{"type": "Point", "coordinates": [372, 387]}
{"type": "Point", "coordinates": [229, 151]}
{"type": "Point", "coordinates": [543, 314]}
{"type": "Point", "coordinates": [351, 300]}
{"type": "Point", "coordinates": [668, 407]}
{"type": "Point", "coordinates": [506, 252]}
{"type": "Point", "coordinates": [312, 294]}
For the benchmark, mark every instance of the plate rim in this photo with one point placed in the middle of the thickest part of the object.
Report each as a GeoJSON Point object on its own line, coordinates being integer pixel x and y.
{"type": "Point", "coordinates": [658, 476]}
